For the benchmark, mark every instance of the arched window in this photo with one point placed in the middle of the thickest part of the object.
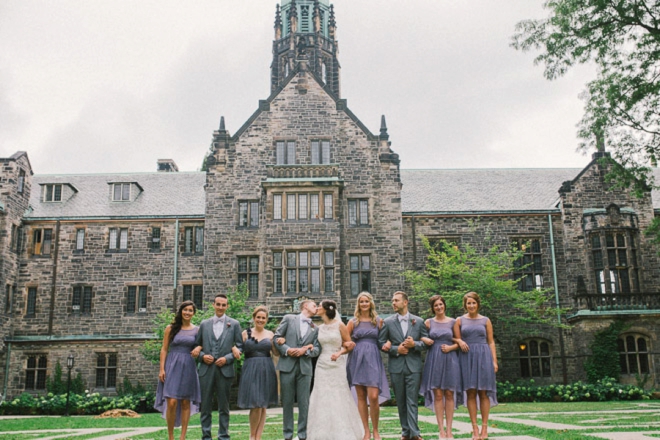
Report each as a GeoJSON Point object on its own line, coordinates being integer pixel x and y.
{"type": "Point", "coordinates": [324, 73]}
{"type": "Point", "coordinates": [633, 354]}
{"type": "Point", "coordinates": [534, 358]}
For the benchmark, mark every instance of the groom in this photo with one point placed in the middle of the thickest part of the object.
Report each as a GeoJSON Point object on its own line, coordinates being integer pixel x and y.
{"type": "Point", "coordinates": [400, 339]}
{"type": "Point", "coordinates": [217, 335]}
{"type": "Point", "coordinates": [295, 365]}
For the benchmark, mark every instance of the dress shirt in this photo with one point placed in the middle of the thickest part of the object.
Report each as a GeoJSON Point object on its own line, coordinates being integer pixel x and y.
{"type": "Point", "coordinates": [218, 326]}
{"type": "Point", "coordinates": [403, 320]}
{"type": "Point", "coordinates": [305, 323]}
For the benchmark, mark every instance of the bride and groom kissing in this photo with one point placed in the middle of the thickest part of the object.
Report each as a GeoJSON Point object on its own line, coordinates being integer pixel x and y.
{"type": "Point", "coordinates": [330, 412]}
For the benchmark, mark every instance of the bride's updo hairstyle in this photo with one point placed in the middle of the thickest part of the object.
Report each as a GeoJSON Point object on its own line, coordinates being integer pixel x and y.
{"type": "Point", "coordinates": [330, 308]}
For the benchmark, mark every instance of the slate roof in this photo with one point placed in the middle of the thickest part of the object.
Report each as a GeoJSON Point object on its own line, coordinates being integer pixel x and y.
{"type": "Point", "coordinates": [164, 195]}
{"type": "Point", "coordinates": [487, 190]}
{"type": "Point", "coordinates": [424, 191]}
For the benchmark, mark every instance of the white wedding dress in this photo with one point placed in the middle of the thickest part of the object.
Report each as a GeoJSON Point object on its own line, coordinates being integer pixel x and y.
{"type": "Point", "coordinates": [333, 414]}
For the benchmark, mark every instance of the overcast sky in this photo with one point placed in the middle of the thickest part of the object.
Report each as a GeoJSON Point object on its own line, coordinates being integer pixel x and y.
{"type": "Point", "coordinates": [114, 85]}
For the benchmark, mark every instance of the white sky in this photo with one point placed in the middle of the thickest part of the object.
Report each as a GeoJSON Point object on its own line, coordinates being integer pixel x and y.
{"type": "Point", "coordinates": [114, 85]}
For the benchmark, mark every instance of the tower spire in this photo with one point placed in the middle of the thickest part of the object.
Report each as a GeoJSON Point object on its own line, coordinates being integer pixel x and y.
{"type": "Point", "coordinates": [305, 31]}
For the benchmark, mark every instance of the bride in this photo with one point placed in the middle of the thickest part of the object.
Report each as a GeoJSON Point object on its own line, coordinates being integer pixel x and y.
{"type": "Point", "coordinates": [332, 411]}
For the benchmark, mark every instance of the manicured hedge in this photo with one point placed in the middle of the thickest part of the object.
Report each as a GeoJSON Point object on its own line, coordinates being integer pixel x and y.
{"type": "Point", "coordinates": [88, 404]}
{"type": "Point", "coordinates": [603, 390]}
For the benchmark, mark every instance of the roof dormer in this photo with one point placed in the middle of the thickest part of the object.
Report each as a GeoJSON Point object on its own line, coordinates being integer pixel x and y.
{"type": "Point", "coordinates": [124, 191]}
{"type": "Point", "coordinates": [57, 192]}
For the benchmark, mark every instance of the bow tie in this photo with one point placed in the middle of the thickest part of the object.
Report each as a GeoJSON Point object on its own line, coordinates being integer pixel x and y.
{"type": "Point", "coordinates": [307, 320]}
{"type": "Point", "coordinates": [403, 318]}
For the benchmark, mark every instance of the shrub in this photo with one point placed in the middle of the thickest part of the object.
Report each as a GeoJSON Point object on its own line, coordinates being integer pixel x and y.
{"type": "Point", "coordinates": [605, 389]}
{"type": "Point", "coordinates": [87, 403]}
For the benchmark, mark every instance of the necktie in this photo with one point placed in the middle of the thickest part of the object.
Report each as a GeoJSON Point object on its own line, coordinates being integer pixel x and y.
{"type": "Point", "coordinates": [403, 320]}
{"type": "Point", "coordinates": [218, 327]}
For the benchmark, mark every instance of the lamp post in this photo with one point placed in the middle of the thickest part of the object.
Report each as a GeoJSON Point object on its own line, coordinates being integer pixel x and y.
{"type": "Point", "coordinates": [69, 366]}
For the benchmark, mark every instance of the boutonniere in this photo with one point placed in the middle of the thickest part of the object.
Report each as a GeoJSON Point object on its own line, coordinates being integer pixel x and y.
{"type": "Point", "coordinates": [312, 325]}
{"type": "Point", "coordinates": [228, 324]}
{"type": "Point", "coordinates": [413, 321]}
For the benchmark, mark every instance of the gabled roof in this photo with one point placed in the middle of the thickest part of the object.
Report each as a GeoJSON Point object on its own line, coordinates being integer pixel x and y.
{"type": "Point", "coordinates": [264, 105]}
{"type": "Point", "coordinates": [163, 195]}
{"type": "Point", "coordinates": [487, 190]}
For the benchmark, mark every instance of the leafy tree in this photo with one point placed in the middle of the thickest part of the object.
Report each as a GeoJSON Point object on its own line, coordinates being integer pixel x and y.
{"type": "Point", "coordinates": [452, 272]}
{"type": "Point", "coordinates": [56, 385]}
{"type": "Point", "coordinates": [622, 105]}
{"type": "Point", "coordinates": [237, 308]}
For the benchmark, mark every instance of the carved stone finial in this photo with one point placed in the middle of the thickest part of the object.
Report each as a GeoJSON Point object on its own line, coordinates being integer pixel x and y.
{"type": "Point", "coordinates": [222, 124]}
{"type": "Point", "coordinates": [383, 128]}
{"type": "Point", "coordinates": [278, 17]}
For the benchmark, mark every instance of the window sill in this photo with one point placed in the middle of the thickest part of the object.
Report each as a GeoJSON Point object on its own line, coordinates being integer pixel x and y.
{"type": "Point", "coordinates": [78, 252]}
{"type": "Point", "coordinates": [360, 226]}
{"type": "Point", "coordinates": [192, 254]}
{"type": "Point", "coordinates": [31, 316]}
{"type": "Point", "coordinates": [249, 228]}
{"type": "Point", "coordinates": [41, 256]}
{"type": "Point", "coordinates": [155, 251]}
{"type": "Point", "coordinates": [116, 251]}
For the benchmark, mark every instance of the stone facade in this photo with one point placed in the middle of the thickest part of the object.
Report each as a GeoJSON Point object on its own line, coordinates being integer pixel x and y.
{"type": "Point", "coordinates": [305, 201]}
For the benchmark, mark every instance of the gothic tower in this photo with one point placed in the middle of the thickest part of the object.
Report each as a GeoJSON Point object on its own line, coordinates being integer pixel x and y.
{"type": "Point", "coordinates": [305, 30]}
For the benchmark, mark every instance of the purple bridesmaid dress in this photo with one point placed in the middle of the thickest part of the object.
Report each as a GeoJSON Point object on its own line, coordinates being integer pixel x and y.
{"type": "Point", "coordinates": [181, 379]}
{"type": "Point", "coordinates": [441, 370]}
{"type": "Point", "coordinates": [365, 365]}
{"type": "Point", "coordinates": [477, 370]}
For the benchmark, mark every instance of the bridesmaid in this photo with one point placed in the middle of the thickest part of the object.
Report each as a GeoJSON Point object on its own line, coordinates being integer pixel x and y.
{"type": "Point", "coordinates": [179, 395]}
{"type": "Point", "coordinates": [366, 373]}
{"type": "Point", "coordinates": [258, 386]}
{"type": "Point", "coordinates": [478, 362]}
{"type": "Point", "coordinates": [442, 376]}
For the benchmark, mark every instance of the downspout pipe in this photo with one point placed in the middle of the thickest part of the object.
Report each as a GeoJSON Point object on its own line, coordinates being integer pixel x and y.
{"type": "Point", "coordinates": [4, 387]}
{"type": "Point", "coordinates": [176, 263]}
{"type": "Point", "coordinates": [53, 286]}
{"type": "Point", "coordinates": [556, 287]}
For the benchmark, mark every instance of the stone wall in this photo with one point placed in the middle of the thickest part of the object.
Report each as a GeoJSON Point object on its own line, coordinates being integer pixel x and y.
{"type": "Point", "coordinates": [239, 170]}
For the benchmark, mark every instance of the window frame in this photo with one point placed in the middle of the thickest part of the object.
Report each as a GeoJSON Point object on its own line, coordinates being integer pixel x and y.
{"type": "Point", "coordinates": [627, 355]}
{"type": "Point", "coordinates": [285, 152]}
{"type": "Point", "coordinates": [193, 292]}
{"type": "Point", "coordinates": [360, 272]}
{"type": "Point", "coordinates": [136, 299]}
{"type": "Point", "coordinates": [52, 193]}
{"type": "Point", "coordinates": [124, 192]}
{"type": "Point", "coordinates": [314, 203]}
{"type": "Point", "coordinates": [320, 152]}
{"type": "Point", "coordinates": [250, 220]}
{"type": "Point", "coordinates": [120, 239]}
{"type": "Point", "coordinates": [42, 246]}
{"type": "Point", "coordinates": [531, 266]}
{"type": "Point", "coordinates": [102, 372]}
{"type": "Point", "coordinates": [356, 214]}
{"type": "Point", "coordinates": [303, 271]}
{"type": "Point", "coordinates": [37, 374]}
{"type": "Point", "coordinates": [20, 183]}
{"type": "Point", "coordinates": [80, 240]}
{"type": "Point", "coordinates": [527, 359]}
{"type": "Point", "coordinates": [82, 299]}
{"type": "Point", "coordinates": [31, 301]}
{"type": "Point", "coordinates": [193, 240]}
{"type": "Point", "coordinates": [155, 239]}
{"type": "Point", "coordinates": [249, 275]}
{"type": "Point", "coordinates": [615, 267]}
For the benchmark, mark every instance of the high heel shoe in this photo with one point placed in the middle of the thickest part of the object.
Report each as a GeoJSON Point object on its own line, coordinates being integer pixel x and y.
{"type": "Point", "coordinates": [475, 432]}
{"type": "Point", "coordinates": [484, 432]}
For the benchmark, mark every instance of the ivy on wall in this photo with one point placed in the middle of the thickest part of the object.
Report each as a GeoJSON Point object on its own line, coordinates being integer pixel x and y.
{"type": "Point", "coordinates": [604, 359]}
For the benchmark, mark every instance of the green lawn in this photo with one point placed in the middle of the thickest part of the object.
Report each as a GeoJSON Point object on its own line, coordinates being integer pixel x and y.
{"type": "Point", "coordinates": [593, 417]}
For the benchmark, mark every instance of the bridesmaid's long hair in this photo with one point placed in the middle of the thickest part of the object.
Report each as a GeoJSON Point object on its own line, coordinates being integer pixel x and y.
{"type": "Point", "coordinates": [372, 307]}
{"type": "Point", "coordinates": [177, 322]}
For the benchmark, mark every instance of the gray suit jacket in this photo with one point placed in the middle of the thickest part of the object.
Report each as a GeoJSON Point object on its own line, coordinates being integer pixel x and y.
{"type": "Point", "coordinates": [231, 335]}
{"type": "Point", "coordinates": [289, 329]}
{"type": "Point", "coordinates": [392, 331]}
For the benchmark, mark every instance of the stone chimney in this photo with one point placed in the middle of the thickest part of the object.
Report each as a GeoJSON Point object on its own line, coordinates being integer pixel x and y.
{"type": "Point", "coordinates": [166, 166]}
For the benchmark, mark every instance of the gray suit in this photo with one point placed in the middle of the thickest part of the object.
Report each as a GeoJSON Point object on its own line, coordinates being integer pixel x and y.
{"type": "Point", "coordinates": [215, 379]}
{"type": "Point", "coordinates": [295, 372]}
{"type": "Point", "coordinates": [405, 370]}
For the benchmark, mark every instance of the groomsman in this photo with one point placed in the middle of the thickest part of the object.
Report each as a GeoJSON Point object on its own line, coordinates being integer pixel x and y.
{"type": "Point", "coordinates": [217, 335]}
{"type": "Point", "coordinates": [404, 330]}
{"type": "Point", "coordinates": [300, 345]}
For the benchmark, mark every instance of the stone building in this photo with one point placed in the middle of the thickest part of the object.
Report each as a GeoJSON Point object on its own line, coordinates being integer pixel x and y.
{"type": "Point", "coordinates": [304, 200]}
